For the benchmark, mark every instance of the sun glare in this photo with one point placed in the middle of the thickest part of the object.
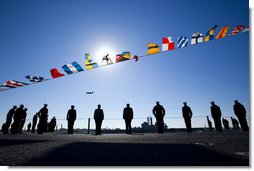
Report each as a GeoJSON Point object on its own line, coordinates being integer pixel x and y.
{"type": "Point", "coordinates": [103, 51]}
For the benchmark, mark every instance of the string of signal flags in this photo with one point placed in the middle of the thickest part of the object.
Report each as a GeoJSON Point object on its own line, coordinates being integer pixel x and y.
{"type": "Point", "coordinates": [167, 45]}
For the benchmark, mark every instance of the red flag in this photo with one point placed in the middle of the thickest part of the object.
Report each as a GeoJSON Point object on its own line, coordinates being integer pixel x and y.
{"type": "Point", "coordinates": [167, 44]}
{"type": "Point", "coordinates": [135, 58]}
{"type": "Point", "coordinates": [55, 73]}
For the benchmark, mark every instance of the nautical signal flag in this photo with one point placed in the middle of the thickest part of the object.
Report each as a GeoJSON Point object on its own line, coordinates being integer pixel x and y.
{"type": "Point", "coordinates": [223, 32]}
{"type": "Point", "coordinates": [197, 38]}
{"type": "Point", "coordinates": [236, 30]}
{"type": "Point", "coordinates": [135, 58]}
{"type": "Point", "coordinates": [152, 48]}
{"type": "Point", "coordinates": [89, 62]}
{"type": "Point", "coordinates": [167, 44]}
{"type": "Point", "coordinates": [13, 84]}
{"type": "Point", "coordinates": [55, 73]}
{"type": "Point", "coordinates": [182, 42]}
{"type": "Point", "coordinates": [123, 57]}
{"type": "Point", "coordinates": [35, 79]}
{"type": "Point", "coordinates": [74, 67]}
{"type": "Point", "coordinates": [106, 60]}
{"type": "Point", "coordinates": [210, 34]}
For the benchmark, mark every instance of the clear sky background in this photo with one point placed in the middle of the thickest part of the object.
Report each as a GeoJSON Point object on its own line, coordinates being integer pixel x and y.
{"type": "Point", "coordinates": [36, 36]}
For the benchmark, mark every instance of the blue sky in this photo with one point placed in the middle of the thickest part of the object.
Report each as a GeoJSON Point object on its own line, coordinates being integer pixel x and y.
{"type": "Point", "coordinates": [36, 36]}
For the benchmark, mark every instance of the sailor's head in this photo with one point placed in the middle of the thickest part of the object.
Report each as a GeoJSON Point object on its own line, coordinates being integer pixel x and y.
{"type": "Point", "coordinates": [14, 107]}
{"type": "Point", "coordinates": [45, 105]}
{"type": "Point", "coordinates": [212, 103]}
{"type": "Point", "coordinates": [184, 103]}
{"type": "Point", "coordinates": [157, 103]}
{"type": "Point", "coordinates": [72, 106]}
{"type": "Point", "coordinates": [128, 105]}
{"type": "Point", "coordinates": [99, 106]}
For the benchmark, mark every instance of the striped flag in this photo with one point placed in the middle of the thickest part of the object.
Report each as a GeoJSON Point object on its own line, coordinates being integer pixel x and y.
{"type": "Point", "coordinates": [89, 62]}
{"type": "Point", "coordinates": [13, 84]}
{"type": "Point", "coordinates": [72, 68]}
{"type": "Point", "coordinates": [182, 42]}
{"type": "Point", "coordinates": [210, 34]}
{"type": "Point", "coordinates": [35, 79]}
{"type": "Point", "coordinates": [223, 32]}
{"type": "Point", "coordinates": [55, 73]}
{"type": "Point", "coordinates": [236, 30]}
{"type": "Point", "coordinates": [123, 57]}
{"type": "Point", "coordinates": [152, 48]}
{"type": "Point", "coordinates": [197, 38]}
{"type": "Point", "coordinates": [167, 44]}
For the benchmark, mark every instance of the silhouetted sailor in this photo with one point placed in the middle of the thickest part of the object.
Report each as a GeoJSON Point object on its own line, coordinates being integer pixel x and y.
{"type": "Point", "coordinates": [43, 116]}
{"type": "Point", "coordinates": [35, 117]}
{"type": "Point", "coordinates": [22, 120]}
{"type": "Point", "coordinates": [98, 118]}
{"type": "Point", "coordinates": [240, 112]}
{"type": "Point", "coordinates": [52, 125]}
{"type": "Point", "coordinates": [159, 113]}
{"type": "Point", "coordinates": [71, 117]}
{"type": "Point", "coordinates": [17, 118]}
{"type": "Point", "coordinates": [225, 123]}
{"type": "Point", "coordinates": [9, 119]}
{"type": "Point", "coordinates": [187, 114]}
{"type": "Point", "coordinates": [128, 116]}
{"type": "Point", "coordinates": [210, 126]}
{"type": "Point", "coordinates": [235, 123]}
{"type": "Point", "coordinates": [216, 114]}
{"type": "Point", "coordinates": [29, 127]}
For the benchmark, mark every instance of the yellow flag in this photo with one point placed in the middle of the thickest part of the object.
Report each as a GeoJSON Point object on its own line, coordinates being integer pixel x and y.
{"type": "Point", "coordinates": [152, 48]}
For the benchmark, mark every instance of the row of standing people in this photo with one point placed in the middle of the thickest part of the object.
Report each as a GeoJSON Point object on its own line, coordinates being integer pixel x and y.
{"type": "Point", "coordinates": [216, 114]}
{"type": "Point", "coordinates": [159, 113]}
{"type": "Point", "coordinates": [19, 116]}
{"type": "Point", "coordinates": [239, 110]}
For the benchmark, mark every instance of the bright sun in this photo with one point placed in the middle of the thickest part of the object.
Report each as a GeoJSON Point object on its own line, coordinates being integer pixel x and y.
{"type": "Point", "coordinates": [103, 51]}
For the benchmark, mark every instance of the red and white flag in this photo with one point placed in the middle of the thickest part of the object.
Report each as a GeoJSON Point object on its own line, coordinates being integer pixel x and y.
{"type": "Point", "coordinates": [14, 84]}
{"type": "Point", "coordinates": [236, 30]}
{"type": "Point", "coordinates": [167, 44]}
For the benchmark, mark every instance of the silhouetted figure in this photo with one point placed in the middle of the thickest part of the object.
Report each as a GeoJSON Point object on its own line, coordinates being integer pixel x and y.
{"type": "Point", "coordinates": [29, 127]}
{"type": "Point", "coordinates": [52, 125]}
{"type": "Point", "coordinates": [71, 117]}
{"type": "Point", "coordinates": [216, 114]}
{"type": "Point", "coordinates": [240, 112]}
{"type": "Point", "coordinates": [9, 117]}
{"type": "Point", "coordinates": [3, 127]}
{"type": "Point", "coordinates": [16, 119]}
{"type": "Point", "coordinates": [159, 113]}
{"type": "Point", "coordinates": [235, 123]}
{"type": "Point", "coordinates": [35, 117]}
{"type": "Point", "coordinates": [187, 114]}
{"type": "Point", "coordinates": [98, 118]}
{"type": "Point", "coordinates": [128, 116]}
{"type": "Point", "coordinates": [22, 120]}
{"type": "Point", "coordinates": [43, 116]}
{"type": "Point", "coordinates": [225, 123]}
{"type": "Point", "coordinates": [210, 126]}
